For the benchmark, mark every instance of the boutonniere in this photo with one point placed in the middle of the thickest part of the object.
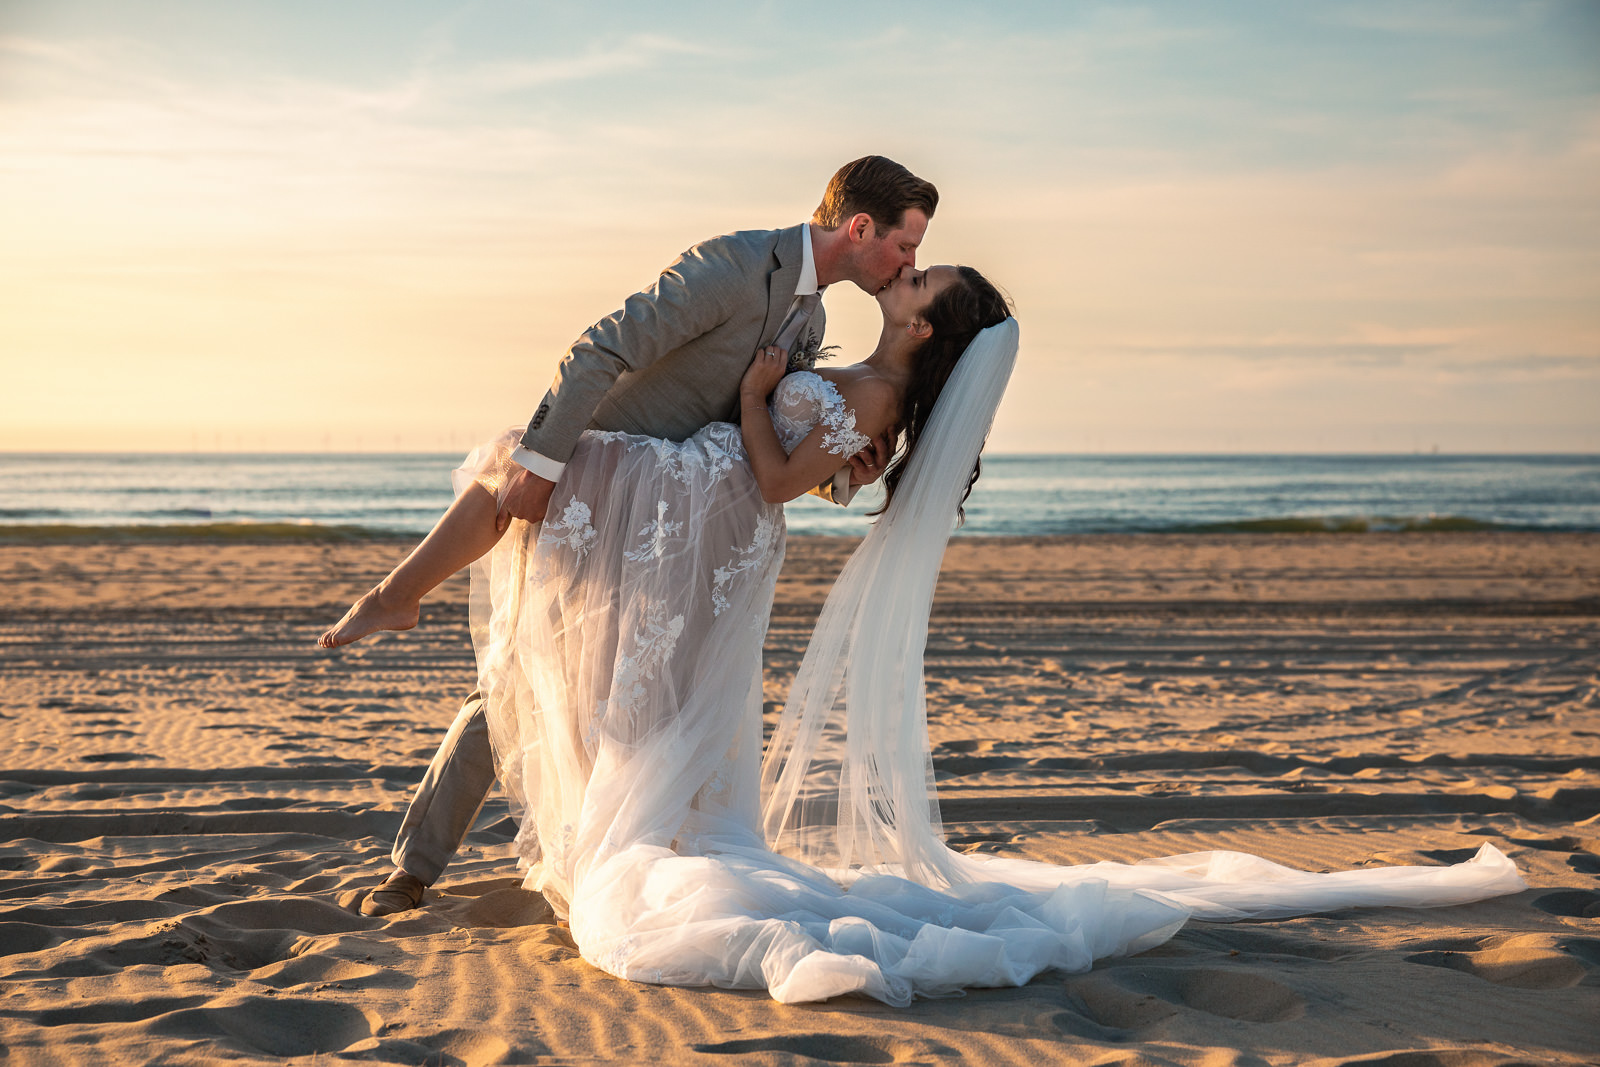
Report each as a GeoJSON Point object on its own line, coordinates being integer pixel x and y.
{"type": "Point", "coordinates": [804, 355]}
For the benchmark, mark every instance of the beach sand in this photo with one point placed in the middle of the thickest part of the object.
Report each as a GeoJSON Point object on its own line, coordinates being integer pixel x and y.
{"type": "Point", "coordinates": [192, 795]}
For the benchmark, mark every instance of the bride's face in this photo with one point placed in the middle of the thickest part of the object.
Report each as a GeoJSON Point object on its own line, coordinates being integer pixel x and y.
{"type": "Point", "coordinates": [905, 299]}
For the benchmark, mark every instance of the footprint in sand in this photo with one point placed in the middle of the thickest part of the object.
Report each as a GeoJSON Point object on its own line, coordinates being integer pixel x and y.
{"type": "Point", "coordinates": [1576, 903]}
{"type": "Point", "coordinates": [1526, 961]}
{"type": "Point", "coordinates": [1107, 1010]}
{"type": "Point", "coordinates": [1130, 998]}
{"type": "Point", "coordinates": [242, 935]}
{"type": "Point", "coordinates": [279, 1027]}
{"type": "Point", "coordinates": [1584, 863]}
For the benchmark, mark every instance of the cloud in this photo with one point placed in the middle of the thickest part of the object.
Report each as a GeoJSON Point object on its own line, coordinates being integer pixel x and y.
{"type": "Point", "coordinates": [639, 52]}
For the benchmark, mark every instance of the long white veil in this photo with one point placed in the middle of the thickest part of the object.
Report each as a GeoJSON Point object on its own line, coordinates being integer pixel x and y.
{"type": "Point", "coordinates": [847, 783]}
{"type": "Point", "coordinates": [848, 776]}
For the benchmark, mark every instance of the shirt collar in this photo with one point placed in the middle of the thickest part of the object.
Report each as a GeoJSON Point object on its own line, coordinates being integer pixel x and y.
{"type": "Point", "coordinates": [808, 264]}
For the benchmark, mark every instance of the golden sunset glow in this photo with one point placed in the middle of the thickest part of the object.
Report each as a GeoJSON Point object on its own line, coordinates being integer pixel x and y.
{"type": "Point", "coordinates": [258, 226]}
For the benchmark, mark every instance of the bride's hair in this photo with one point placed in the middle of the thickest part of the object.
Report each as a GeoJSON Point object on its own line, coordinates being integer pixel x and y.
{"type": "Point", "coordinates": [969, 305]}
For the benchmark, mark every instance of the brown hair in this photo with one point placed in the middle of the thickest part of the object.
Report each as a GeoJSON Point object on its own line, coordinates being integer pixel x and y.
{"type": "Point", "coordinates": [970, 304]}
{"type": "Point", "coordinates": [881, 188]}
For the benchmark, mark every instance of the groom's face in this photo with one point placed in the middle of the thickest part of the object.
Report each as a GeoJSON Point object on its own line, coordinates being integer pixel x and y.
{"type": "Point", "coordinates": [883, 255]}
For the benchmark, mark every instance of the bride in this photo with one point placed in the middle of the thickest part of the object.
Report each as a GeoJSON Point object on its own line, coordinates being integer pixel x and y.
{"type": "Point", "coordinates": [619, 654]}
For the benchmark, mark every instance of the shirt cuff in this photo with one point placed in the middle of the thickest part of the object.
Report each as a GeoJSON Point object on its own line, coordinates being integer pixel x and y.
{"type": "Point", "coordinates": [543, 466]}
{"type": "Point", "coordinates": [843, 491]}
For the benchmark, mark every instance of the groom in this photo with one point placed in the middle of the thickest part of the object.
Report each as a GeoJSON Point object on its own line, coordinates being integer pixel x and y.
{"type": "Point", "coordinates": [665, 365]}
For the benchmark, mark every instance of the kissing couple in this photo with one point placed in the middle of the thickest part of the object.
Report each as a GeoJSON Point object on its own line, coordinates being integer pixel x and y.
{"type": "Point", "coordinates": [624, 549]}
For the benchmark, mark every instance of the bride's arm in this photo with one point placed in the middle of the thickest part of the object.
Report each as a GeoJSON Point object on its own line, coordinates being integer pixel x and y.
{"type": "Point", "coordinates": [784, 476]}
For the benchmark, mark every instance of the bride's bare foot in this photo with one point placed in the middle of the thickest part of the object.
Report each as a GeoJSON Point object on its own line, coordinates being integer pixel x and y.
{"type": "Point", "coordinates": [371, 613]}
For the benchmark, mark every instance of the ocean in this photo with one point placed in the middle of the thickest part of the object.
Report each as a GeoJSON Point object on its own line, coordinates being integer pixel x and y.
{"type": "Point", "coordinates": [297, 495]}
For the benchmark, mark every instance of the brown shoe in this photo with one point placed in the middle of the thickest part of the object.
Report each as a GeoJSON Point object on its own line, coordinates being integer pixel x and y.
{"type": "Point", "coordinates": [401, 892]}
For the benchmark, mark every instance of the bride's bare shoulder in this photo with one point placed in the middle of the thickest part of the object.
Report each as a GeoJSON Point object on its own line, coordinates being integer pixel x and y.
{"type": "Point", "coordinates": [863, 389]}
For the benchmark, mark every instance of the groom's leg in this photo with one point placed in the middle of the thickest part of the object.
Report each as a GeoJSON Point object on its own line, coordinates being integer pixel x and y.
{"type": "Point", "coordinates": [441, 812]}
{"type": "Point", "coordinates": [449, 796]}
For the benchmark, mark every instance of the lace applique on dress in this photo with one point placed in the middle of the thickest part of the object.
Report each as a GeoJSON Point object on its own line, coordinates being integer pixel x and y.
{"type": "Point", "coordinates": [842, 438]}
{"type": "Point", "coordinates": [652, 645]}
{"type": "Point", "coordinates": [571, 529]}
{"type": "Point", "coordinates": [653, 536]}
{"type": "Point", "coordinates": [804, 400]}
{"type": "Point", "coordinates": [685, 459]}
{"type": "Point", "coordinates": [759, 548]}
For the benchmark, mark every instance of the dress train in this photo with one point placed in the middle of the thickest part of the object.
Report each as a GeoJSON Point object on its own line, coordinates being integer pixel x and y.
{"type": "Point", "coordinates": [619, 652]}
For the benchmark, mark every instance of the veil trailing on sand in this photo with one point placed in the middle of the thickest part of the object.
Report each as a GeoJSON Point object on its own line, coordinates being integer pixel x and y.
{"type": "Point", "coordinates": [847, 783]}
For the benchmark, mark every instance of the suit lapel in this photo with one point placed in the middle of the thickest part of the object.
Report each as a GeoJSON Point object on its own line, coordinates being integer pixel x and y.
{"type": "Point", "coordinates": [781, 280]}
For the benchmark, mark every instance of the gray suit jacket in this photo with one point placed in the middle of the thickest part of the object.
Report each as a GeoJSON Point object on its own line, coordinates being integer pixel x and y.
{"type": "Point", "coordinates": [671, 359]}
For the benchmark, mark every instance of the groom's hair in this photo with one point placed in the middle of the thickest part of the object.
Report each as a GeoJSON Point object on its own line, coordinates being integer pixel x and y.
{"type": "Point", "coordinates": [881, 188]}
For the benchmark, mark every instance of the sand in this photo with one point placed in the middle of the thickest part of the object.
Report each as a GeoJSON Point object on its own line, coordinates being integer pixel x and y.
{"type": "Point", "coordinates": [192, 795]}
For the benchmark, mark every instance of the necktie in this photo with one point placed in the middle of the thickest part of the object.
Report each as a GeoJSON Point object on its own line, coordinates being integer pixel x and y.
{"type": "Point", "coordinates": [799, 314]}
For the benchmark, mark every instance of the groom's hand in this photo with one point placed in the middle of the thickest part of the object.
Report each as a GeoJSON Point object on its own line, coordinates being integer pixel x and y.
{"type": "Point", "coordinates": [527, 497]}
{"type": "Point", "coordinates": [867, 465]}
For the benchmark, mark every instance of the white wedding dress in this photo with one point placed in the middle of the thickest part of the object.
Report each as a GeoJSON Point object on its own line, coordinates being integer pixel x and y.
{"type": "Point", "coordinates": [619, 654]}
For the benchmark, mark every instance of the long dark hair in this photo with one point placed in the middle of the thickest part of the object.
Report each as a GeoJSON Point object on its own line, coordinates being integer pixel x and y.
{"type": "Point", "coordinates": [956, 315]}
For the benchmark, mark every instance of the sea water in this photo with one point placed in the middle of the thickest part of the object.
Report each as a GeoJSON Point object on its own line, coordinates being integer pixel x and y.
{"type": "Point", "coordinates": [402, 494]}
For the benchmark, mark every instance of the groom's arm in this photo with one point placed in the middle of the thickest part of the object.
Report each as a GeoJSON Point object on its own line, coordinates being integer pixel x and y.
{"type": "Point", "coordinates": [696, 293]}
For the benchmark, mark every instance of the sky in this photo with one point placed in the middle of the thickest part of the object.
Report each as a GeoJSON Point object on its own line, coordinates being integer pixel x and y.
{"type": "Point", "coordinates": [1226, 227]}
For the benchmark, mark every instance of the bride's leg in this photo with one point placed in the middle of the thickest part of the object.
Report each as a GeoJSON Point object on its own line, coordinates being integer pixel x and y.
{"type": "Point", "coordinates": [465, 532]}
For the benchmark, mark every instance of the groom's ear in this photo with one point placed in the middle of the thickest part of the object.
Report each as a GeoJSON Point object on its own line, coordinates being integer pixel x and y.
{"type": "Point", "coordinates": [860, 227]}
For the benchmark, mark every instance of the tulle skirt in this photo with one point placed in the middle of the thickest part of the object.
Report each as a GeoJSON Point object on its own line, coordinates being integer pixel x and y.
{"type": "Point", "coordinates": [619, 656]}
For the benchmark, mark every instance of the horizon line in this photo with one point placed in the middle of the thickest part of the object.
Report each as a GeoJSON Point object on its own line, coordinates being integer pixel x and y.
{"type": "Point", "coordinates": [1431, 451]}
